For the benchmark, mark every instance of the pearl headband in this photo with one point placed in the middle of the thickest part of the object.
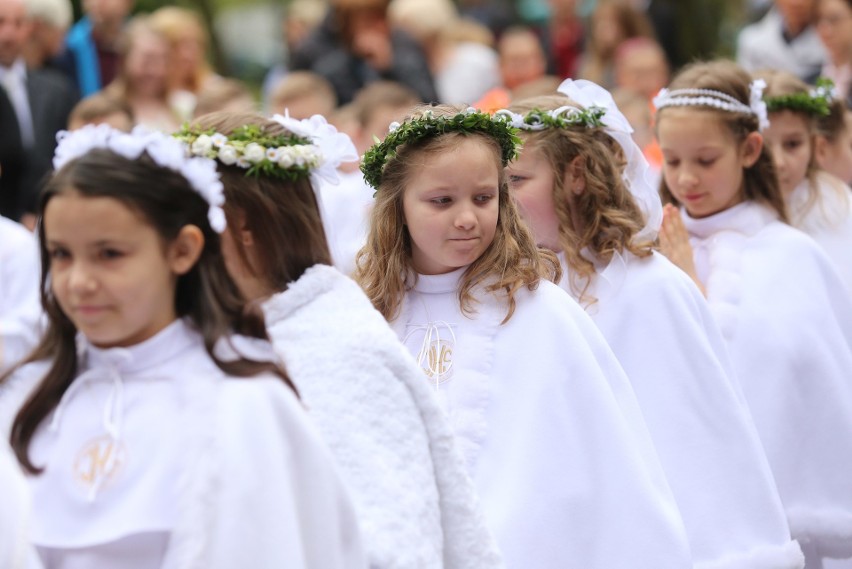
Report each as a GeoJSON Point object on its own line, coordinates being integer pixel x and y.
{"type": "Point", "coordinates": [717, 100]}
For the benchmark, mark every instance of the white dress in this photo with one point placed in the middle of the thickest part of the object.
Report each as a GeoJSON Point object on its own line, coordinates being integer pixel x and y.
{"type": "Point", "coordinates": [154, 458]}
{"type": "Point", "coordinates": [20, 308]}
{"type": "Point", "coordinates": [828, 219]}
{"type": "Point", "coordinates": [346, 211]}
{"type": "Point", "coordinates": [661, 330]}
{"type": "Point", "coordinates": [414, 500]}
{"type": "Point", "coordinates": [787, 321]}
{"type": "Point", "coordinates": [542, 411]}
{"type": "Point", "coordinates": [16, 552]}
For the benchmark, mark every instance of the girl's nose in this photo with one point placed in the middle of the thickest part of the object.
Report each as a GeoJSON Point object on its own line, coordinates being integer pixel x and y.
{"type": "Point", "coordinates": [80, 278]}
{"type": "Point", "coordinates": [465, 219]}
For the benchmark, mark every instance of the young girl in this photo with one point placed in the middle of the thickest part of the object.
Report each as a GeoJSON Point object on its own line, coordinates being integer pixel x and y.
{"type": "Point", "coordinates": [545, 417]}
{"type": "Point", "coordinates": [149, 438]}
{"type": "Point", "coordinates": [781, 307]}
{"type": "Point", "coordinates": [569, 186]}
{"type": "Point", "coordinates": [833, 142]}
{"type": "Point", "coordinates": [817, 203]}
{"type": "Point", "coordinates": [412, 497]}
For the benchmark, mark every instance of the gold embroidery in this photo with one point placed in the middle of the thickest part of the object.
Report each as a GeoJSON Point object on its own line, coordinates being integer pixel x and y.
{"type": "Point", "coordinates": [99, 462]}
{"type": "Point", "coordinates": [439, 360]}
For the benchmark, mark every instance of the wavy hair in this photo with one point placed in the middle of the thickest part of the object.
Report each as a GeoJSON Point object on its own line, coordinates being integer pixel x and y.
{"type": "Point", "coordinates": [760, 181]}
{"type": "Point", "coordinates": [512, 260]}
{"type": "Point", "coordinates": [205, 295]}
{"type": "Point", "coordinates": [607, 217]}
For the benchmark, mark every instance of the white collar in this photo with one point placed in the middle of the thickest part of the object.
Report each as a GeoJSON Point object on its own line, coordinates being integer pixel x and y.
{"type": "Point", "coordinates": [19, 68]}
{"type": "Point", "coordinates": [439, 284]}
{"type": "Point", "coordinates": [748, 218]}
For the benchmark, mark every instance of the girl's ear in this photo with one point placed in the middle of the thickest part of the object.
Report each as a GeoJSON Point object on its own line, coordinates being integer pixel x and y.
{"type": "Point", "coordinates": [574, 175]}
{"type": "Point", "coordinates": [751, 148]}
{"type": "Point", "coordinates": [184, 251]}
{"type": "Point", "coordinates": [821, 146]}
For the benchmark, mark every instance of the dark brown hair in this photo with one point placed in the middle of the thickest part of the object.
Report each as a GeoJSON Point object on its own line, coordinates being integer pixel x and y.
{"type": "Point", "coordinates": [283, 216]}
{"type": "Point", "coordinates": [205, 295]}
{"type": "Point", "coordinates": [760, 182]}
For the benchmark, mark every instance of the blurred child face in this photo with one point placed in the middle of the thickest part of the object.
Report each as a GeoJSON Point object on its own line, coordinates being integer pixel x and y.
{"type": "Point", "coordinates": [110, 271]}
{"type": "Point", "coordinates": [521, 60]}
{"type": "Point", "coordinates": [789, 140]}
{"type": "Point", "coordinates": [836, 157]}
{"type": "Point", "coordinates": [531, 179]}
{"type": "Point", "coordinates": [451, 205]}
{"type": "Point", "coordinates": [643, 70]}
{"type": "Point", "coordinates": [146, 65]}
{"type": "Point", "coordinates": [834, 25]}
{"type": "Point", "coordinates": [703, 160]}
{"type": "Point", "coordinates": [797, 14]}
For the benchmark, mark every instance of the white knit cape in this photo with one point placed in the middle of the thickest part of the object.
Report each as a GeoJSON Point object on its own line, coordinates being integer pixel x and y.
{"type": "Point", "coordinates": [414, 500]}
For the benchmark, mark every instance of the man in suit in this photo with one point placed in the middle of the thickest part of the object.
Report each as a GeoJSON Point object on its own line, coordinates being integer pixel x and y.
{"type": "Point", "coordinates": [34, 106]}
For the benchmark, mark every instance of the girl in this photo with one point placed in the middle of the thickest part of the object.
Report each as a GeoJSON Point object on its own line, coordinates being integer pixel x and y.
{"type": "Point", "coordinates": [560, 457]}
{"type": "Point", "coordinates": [817, 203]}
{"type": "Point", "coordinates": [149, 438]}
{"type": "Point", "coordinates": [833, 142]}
{"type": "Point", "coordinates": [412, 497]}
{"type": "Point", "coordinates": [780, 305]}
{"type": "Point", "coordinates": [569, 186]}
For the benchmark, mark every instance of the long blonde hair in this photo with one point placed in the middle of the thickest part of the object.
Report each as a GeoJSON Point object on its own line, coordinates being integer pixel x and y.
{"type": "Point", "coordinates": [609, 218]}
{"type": "Point", "coordinates": [510, 262]}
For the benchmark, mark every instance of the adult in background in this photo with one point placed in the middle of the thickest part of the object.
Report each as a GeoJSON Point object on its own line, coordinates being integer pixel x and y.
{"type": "Point", "coordinates": [785, 39]}
{"type": "Point", "coordinates": [34, 105]}
{"type": "Point", "coordinates": [356, 45]}
{"type": "Point", "coordinates": [834, 26]}
{"type": "Point", "coordinates": [91, 58]}
{"type": "Point", "coordinates": [50, 22]}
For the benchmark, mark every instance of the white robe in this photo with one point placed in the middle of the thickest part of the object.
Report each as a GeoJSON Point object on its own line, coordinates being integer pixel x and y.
{"type": "Point", "coordinates": [661, 330]}
{"type": "Point", "coordinates": [413, 497]}
{"type": "Point", "coordinates": [828, 219]}
{"type": "Point", "coordinates": [154, 449]}
{"type": "Point", "coordinates": [542, 411]}
{"type": "Point", "coordinates": [345, 211]}
{"type": "Point", "coordinates": [787, 321]}
{"type": "Point", "coordinates": [20, 308]}
{"type": "Point", "coordinates": [16, 517]}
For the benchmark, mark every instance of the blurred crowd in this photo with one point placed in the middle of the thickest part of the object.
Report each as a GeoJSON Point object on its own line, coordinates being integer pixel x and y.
{"type": "Point", "coordinates": [362, 63]}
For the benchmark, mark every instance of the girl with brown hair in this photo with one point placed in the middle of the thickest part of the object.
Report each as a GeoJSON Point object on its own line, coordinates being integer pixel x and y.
{"type": "Point", "coordinates": [569, 184]}
{"type": "Point", "coordinates": [782, 308]}
{"type": "Point", "coordinates": [546, 419]}
{"type": "Point", "coordinates": [414, 503]}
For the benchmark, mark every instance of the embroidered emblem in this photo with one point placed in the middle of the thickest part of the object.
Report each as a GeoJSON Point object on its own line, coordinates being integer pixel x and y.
{"type": "Point", "coordinates": [98, 463]}
{"type": "Point", "coordinates": [437, 362]}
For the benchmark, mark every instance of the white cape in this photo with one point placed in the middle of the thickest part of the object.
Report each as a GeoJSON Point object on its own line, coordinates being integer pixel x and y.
{"type": "Point", "coordinates": [661, 330]}
{"type": "Point", "coordinates": [346, 217]}
{"type": "Point", "coordinates": [413, 497]}
{"type": "Point", "coordinates": [787, 321]}
{"type": "Point", "coordinates": [566, 478]}
{"type": "Point", "coordinates": [252, 485]}
{"type": "Point", "coordinates": [828, 220]}
{"type": "Point", "coordinates": [20, 308]}
{"type": "Point", "coordinates": [16, 552]}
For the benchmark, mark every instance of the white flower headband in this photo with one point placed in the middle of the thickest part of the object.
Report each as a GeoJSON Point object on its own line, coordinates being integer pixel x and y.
{"type": "Point", "coordinates": [164, 150]}
{"type": "Point", "coordinates": [718, 100]}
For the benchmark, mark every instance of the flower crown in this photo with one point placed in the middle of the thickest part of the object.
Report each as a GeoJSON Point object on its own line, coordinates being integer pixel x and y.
{"type": "Point", "coordinates": [815, 102]}
{"type": "Point", "coordinates": [164, 150]}
{"type": "Point", "coordinates": [428, 125]}
{"type": "Point", "coordinates": [311, 147]}
{"type": "Point", "coordinates": [563, 117]}
{"type": "Point", "coordinates": [717, 100]}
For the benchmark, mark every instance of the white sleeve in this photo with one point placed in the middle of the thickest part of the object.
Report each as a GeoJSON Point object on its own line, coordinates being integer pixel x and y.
{"type": "Point", "coordinates": [20, 310]}
{"type": "Point", "coordinates": [16, 552]}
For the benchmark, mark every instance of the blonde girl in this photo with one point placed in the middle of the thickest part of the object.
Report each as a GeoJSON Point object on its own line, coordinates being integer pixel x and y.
{"type": "Point", "coordinates": [780, 304]}
{"type": "Point", "coordinates": [157, 428]}
{"type": "Point", "coordinates": [545, 418]}
{"type": "Point", "coordinates": [569, 186]}
{"type": "Point", "coordinates": [818, 203]}
{"type": "Point", "coordinates": [394, 449]}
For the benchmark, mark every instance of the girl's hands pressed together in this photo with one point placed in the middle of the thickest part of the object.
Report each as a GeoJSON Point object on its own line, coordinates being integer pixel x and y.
{"type": "Point", "coordinates": [674, 243]}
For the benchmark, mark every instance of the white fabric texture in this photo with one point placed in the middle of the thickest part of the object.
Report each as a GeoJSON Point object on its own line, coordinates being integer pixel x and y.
{"type": "Point", "coordinates": [471, 70]}
{"type": "Point", "coordinates": [345, 211]}
{"type": "Point", "coordinates": [662, 332]}
{"type": "Point", "coordinates": [20, 307]}
{"type": "Point", "coordinates": [415, 503]}
{"type": "Point", "coordinates": [787, 321]}
{"type": "Point", "coordinates": [827, 217]}
{"type": "Point", "coordinates": [561, 464]}
{"type": "Point", "coordinates": [173, 445]}
{"type": "Point", "coordinates": [762, 46]}
{"type": "Point", "coordinates": [15, 549]}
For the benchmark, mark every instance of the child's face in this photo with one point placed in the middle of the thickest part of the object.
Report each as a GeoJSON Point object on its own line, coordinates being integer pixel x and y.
{"type": "Point", "coordinates": [703, 161]}
{"type": "Point", "coordinates": [109, 270]}
{"type": "Point", "coordinates": [451, 205]}
{"type": "Point", "coordinates": [531, 179]}
{"type": "Point", "coordinates": [789, 140]}
{"type": "Point", "coordinates": [836, 157]}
